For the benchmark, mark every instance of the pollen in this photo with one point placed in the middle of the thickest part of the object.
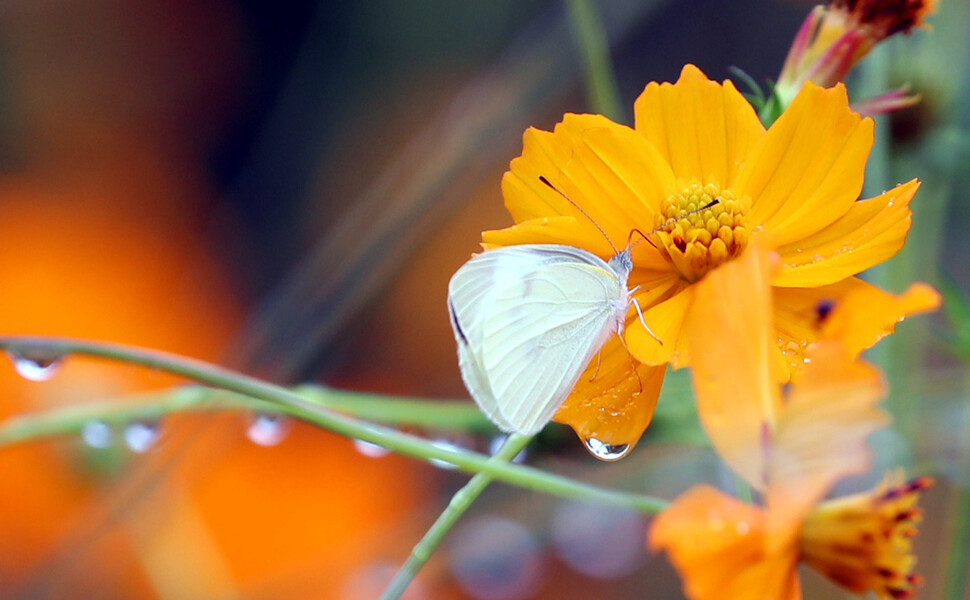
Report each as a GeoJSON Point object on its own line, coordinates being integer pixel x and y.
{"type": "Point", "coordinates": [864, 542]}
{"type": "Point", "coordinates": [696, 241]}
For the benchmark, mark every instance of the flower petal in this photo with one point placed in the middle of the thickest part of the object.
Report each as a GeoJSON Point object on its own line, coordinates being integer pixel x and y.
{"type": "Point", "coordinates": [665, 320]}
{"type": "Point", "coordinates": [807, 170]}
{"type": "Point", "coordinates": [716, 544]}
{"type": "Point", "coordinates": [612, 402]}
{"type": "Point", "coordinates": [871, 232]}
{"type": "Point", "coordinates": [702, 128]}
{"type": "Point", "coordinates": [607, 169]}
{"type": "Point", "coordinates": [729, 334]}
{"type": "Point", "coordinates": [820, 435]}
{"type": "Point", "coordinates": [869, 315]}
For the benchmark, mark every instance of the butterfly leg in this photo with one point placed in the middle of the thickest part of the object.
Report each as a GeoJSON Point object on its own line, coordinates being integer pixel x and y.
{"type": "Point", "coordinates": [636, 305]}
{"type": "Point", "coordinates": [633, 365]}
{"type": "Point", "coordinates": [599, 359]}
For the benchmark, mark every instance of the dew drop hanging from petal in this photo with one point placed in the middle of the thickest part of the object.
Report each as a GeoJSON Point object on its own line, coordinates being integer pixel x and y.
{"type": "Point", "coordinates": [607, 452]}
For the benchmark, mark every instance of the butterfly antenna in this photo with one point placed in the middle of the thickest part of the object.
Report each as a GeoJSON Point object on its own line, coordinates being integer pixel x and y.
{"type": "Point", "coordinates": [668, 222]}
{"type": "Point", "coordinates": [580, 209]}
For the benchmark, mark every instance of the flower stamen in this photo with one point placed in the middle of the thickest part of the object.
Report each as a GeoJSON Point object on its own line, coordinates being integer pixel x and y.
{"type": "Point", "coordinates": [863, 542]}
{"type": "Point", "coordinates": [701, 239]}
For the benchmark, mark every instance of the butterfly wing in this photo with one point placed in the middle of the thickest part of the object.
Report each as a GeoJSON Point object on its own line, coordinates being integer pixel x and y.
{"type": "Point", "coordinates": [528, 319]}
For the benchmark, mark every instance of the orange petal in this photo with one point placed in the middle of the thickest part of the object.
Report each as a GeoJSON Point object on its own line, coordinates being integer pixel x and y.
{"type": "Point", "coordinates": [731, 344]}
{"type": "Point", "coordinates": [868, 314]}
{"type": "Point", "coordinates": [820, 435]}
{"type": "Point", "coordinates": [863, 315]}
{"type": "Point", "coordinates": [606, 169]}
{"type": "Point", "coordinates": [716, 544]}
{"type": "Point", "coordinates": [703, 129]}
{"type": "Point", "coordinates": [665, 320]}
{"type": "Point", "coordinates": [807, 170]}
{"type": "Point", "coordinates": [612, 403]}
{"type": "Point", "coordinates": [871, 232]}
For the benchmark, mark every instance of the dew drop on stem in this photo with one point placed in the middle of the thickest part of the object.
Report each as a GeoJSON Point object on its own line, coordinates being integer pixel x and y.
{"type": "Point", "coordinates": [36, 365]}
{"type": "Point", "coordinates": [268, 429]}
{"type": "Point", "coordinates": [370, 449]}
{"type": "Point", "coordinates": [98, 434]}
{"type": "Point", "coordinates": [141, 436]}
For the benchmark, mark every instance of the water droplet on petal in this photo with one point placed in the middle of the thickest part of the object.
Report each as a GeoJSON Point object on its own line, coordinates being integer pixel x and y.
{"type": "Point", "coordinates": [268, 429]}
{"type": "Point", "coordinates": [98, 434]}
{"type": "Point", "coordinates": [607, 452]}
{"type": "Point", "coordinates": [370, 449]}
{"type": "Point", "coordinates": [36, 365]}
{"type": "Point", "coordinates": [496, 559]}
{"type": "Point", "coordinates": [495, 444]}
{"type": "Point", "coordinates": [742, 528]}
{"type": "Point", "coordinates": [140, 436]}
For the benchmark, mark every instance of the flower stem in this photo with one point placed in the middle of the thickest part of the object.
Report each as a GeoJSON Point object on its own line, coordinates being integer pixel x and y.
{"type": "Point", "coordinates": [459, 503]}
{"type": "Point", "coordinates": [290, 403]}
{"type": "Point", "coordinates": [602, 91]}
{"type": "Point", "coordinates": [438, 415]}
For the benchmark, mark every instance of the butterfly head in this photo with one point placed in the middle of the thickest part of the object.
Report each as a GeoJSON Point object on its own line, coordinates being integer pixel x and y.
{"type": "Point", "coordinates": [622, 263]}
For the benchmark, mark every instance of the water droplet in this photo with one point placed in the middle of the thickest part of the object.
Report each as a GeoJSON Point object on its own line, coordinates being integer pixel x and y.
{"type": "Point", "coordinates": [496, 443]}
{"type": "Point", "coordinates": [268, 429]}
{"type": "Point", "coordinates": [496, 559]}
{"type": "Point", "coordinates": [598, 541]}
{"type": "Point", "coordinates": [447, 445]}
{"type": "Point", "coordinates": [370, 449]}
{"type": "Point", "coordinates": [742, 528]}
{"type": "Point", "coordinates": [140, 436]}
{"type": "Point", "coordinates": [607, 452]}
{"type": "Point", "coordinates": [35, 365]}
{"type": "Point", "coordinates": [98, 434]}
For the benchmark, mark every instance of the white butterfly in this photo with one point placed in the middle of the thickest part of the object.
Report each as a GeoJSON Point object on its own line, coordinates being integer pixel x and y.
{"type": "Point", "coordinates": [528, 319]}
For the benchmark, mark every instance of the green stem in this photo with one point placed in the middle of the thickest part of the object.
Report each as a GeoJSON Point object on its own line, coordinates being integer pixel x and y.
{"type": "Point", "coordinates": [602, 90]}
{"type": "Point", "coordinates": [290, 403]}
{"type": "Point", "coordinates": [431, 414]}
{"type": "Point", "coordinates": [451, 415]}
{"type": "Point", "coordinates": [460, 502]}
{"type": "Point", "coordinates": [70, 420]}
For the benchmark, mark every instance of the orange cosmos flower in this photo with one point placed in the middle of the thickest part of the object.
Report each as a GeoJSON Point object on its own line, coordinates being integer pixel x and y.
{"type": "Point", "coordinates": [792, 451]}
{"type": "Point", "coordinates": [833, 38]}
{"type": "Point", "coordinates": [795, 186]}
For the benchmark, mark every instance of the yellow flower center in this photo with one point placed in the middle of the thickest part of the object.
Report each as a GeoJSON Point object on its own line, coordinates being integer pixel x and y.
{"type": "Point", "coordinates": [697, 242]}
